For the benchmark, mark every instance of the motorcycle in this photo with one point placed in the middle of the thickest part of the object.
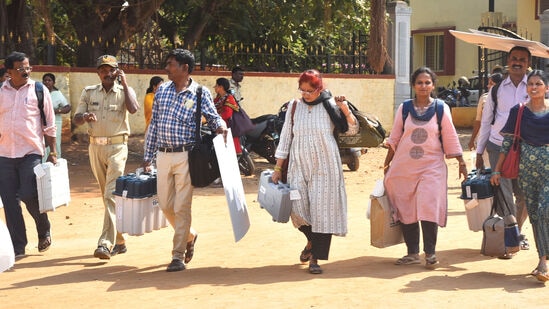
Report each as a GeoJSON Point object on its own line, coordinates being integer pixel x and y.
{"type": "Point", "coordinates": [246, 164]}
{"type": "Point", "coordinates": [449, 95]}
{"type": "Point", "coordinates": [263, 138]}
{"type": "Point", "coordinates": [454, 97]}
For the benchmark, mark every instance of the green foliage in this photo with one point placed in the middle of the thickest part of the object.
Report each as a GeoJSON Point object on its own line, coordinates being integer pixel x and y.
{"type": "Point", "coordinates": [293, 29]}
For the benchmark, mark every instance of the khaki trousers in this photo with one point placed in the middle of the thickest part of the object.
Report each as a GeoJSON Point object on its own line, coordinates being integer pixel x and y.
{"type": "Point", "coordinates": [175, 194]}
{"type": "Point", "coordinates": [108, 163]}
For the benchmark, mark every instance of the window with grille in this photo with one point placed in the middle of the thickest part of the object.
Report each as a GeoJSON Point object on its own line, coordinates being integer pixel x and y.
{"type": "Point", "coordinates": [434, 52]}
{"type": "Point", "coordinates": [436, 49]}
{"type": "Point", "coordinates": [541, 6]}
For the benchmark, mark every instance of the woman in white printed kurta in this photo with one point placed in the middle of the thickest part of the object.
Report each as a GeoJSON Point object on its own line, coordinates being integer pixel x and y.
{"type": "Point", "coordinates": [315, 169]}
{"type": "Point", "coordinates": [415, 170]}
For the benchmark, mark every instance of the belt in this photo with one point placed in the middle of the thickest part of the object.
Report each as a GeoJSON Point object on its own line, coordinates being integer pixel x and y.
{"type": "Point", "coordinates": [104, 140]}
{"type": "Point", "coordinates": [175, 149]}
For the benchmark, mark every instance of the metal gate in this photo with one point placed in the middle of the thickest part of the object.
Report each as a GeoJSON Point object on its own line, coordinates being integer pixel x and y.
{"type": "Point", "coordinates": [488, 58]}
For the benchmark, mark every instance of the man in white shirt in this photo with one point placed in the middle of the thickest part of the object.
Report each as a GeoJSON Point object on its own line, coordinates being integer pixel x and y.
{"type": "Point", "coordinates": [510, 92]}
{"type": "Point", "coordinates": [237, 75]}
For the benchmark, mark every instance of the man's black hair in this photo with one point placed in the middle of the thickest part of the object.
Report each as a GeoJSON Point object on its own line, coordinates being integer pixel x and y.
{"type": "Point", "coordinates": [183, 56]}
{"type": "Point", "coordinates": [237, 69]}
{"type": "Point", "coordinates": [12, 58]}
{"type": "Point", "coordinates": [517, 47]}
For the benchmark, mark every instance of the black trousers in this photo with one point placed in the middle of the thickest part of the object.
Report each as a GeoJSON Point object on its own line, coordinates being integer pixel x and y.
{"type": "Point", "coordinates": [321, 242]}
{"type": "Point", "coordinates": [411, 236]}
{"type": "Point", "coordinates": [18, 183]}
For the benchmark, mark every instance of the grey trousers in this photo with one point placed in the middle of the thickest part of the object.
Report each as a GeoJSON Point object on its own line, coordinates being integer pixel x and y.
{"type": "Point", "coordinates": [509, 187]}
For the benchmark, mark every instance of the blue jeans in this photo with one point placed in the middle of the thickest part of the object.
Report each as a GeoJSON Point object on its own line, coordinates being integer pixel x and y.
{"type": "Point", "coordinates": [18, 183]}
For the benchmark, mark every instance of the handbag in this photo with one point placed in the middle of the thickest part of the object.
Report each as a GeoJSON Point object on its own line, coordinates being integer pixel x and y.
{"type": "Point", "coordinates": [286, 163]}
{"type": "Point", "coordinates": [203, 165]}
{"type": "Point", "coordinates": [371, 133]}
{"type": "Point", "coordinates": [511, 234]}
{"type": "Point", "coordinates": [241, 123]}
{"type": "Point", "coordinates": [493, 243]}
{"type": "Point", "coordinates": [510, 166]}
{"type": "Point", "coordinates": [500, 234]}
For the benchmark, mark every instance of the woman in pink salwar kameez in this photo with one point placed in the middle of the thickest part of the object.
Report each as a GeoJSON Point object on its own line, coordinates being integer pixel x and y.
{"type": "Point", "coordinates": [415, 170]}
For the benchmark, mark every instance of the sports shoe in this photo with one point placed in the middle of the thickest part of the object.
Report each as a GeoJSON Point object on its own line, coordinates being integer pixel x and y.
{"type": "Point", "coordinates": [175, 265]}
{"type": "Point", "coordinates": [102, 252]}
{"type": "Point", "coordinates": [119, 249]}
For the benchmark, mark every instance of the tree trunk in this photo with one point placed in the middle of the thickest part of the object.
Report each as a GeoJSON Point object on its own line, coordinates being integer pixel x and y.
{"type": "Point", "coordinates": [101, 27]}
{"type": "Point", "coordinates": [15, 29]}
{"type": "Point", "coordinates": [377, 46]}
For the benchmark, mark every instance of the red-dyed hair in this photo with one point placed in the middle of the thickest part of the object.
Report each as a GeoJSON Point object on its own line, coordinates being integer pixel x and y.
{"type": "Point", "coordinates": [313, 78]}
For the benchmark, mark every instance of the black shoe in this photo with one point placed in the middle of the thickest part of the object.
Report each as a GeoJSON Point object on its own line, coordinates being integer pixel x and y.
{"type": "Point", "coordinates": [175, 265]}
{"type": "Point", "coordinates": [102, 252]}
{"type": "Point", "coordinates": [44, 244]}
{"type": "Point", "coordinates": [119, 249]}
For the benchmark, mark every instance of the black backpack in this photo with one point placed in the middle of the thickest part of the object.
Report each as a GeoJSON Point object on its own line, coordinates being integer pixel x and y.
{"type": "Point", "coordinates": [39, 88]}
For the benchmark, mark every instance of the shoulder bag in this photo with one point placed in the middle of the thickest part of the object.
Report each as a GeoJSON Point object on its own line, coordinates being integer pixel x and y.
{"type": "Point", "coordinates": [241, 122]}
{"type": "Point", "coordinates": [510, 167]}
{"type": "Point", "coordinates": [370, 134]}
{"type": "Point", "coordinates": [203, 165]}
{"type": "Point", "coordinates": [286, 163]}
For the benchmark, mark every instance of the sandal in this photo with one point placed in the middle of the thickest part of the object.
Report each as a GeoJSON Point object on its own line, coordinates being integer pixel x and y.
{"type": "Point", "coordinates": [306, 255]}
{"type": "Point", "coordinates": [542, 276]}
{"type": "Point", "coordinates": [431, 262]}
{"type": "Point", "coordinates": [524, 245]}
{"type": "Point", "coordinates": [189, 252]}
{"type": "Point", "coordinates": [44, 244]}
{"type": "Point", "coordinates": [408, 260]}
{"type": "Point", "coordinates": [315, 269]}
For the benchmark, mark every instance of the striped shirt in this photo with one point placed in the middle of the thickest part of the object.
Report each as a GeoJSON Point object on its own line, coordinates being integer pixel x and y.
{"type": "Point", "coordinates": [173, 121]}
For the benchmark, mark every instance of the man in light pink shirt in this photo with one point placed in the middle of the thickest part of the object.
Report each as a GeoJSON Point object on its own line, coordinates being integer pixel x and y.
{"type": "Point", "coordinates": [22, 135]}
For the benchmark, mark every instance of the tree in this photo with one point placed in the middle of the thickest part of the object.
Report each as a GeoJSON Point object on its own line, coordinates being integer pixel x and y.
{"type": "Point", "coordinates": [15, 28]}
{"type": "Point", "coordinates": [102, 26]}
{"type": "Point", "coordinates": [377, 47]}
{"type": "Point", "coordinates": [146, 28]}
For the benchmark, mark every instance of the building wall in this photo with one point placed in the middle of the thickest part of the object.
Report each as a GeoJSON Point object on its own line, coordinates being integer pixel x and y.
{"type": "Point", "coordinates": [527, 25]}
{"type": "Point", "coordinates": [463, 15]}
{"type": "Point", "coordinates": [263, 93]}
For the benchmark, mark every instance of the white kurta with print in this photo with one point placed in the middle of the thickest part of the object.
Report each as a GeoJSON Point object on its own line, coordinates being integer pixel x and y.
{"type": "Point", "coordinates": [315, 170]}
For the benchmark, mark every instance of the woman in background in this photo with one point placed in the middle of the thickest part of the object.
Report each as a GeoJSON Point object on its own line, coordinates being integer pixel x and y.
{"type": "Point", "coordinates": [149, 98]}
{"type": "Point", "coordinates": [226, 105]}
{"type": "Point", "coordinates": [60, 106]}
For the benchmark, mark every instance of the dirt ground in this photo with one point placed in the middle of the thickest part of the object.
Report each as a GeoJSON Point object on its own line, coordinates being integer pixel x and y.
{"type": "Point", "coordinates": [263, 269]}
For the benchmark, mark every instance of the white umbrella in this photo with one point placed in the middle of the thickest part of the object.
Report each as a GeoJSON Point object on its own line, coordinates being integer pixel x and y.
{"type": "Point", "coordinates": [500, 42]}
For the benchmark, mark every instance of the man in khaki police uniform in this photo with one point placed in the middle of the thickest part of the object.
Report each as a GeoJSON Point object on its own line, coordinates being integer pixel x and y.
{"type": "Point", "coordinates": [105, 108]}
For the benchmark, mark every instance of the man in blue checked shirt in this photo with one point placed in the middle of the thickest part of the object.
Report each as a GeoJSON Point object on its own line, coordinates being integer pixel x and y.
{"type": "Point", "coordinates": [171, 132]}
